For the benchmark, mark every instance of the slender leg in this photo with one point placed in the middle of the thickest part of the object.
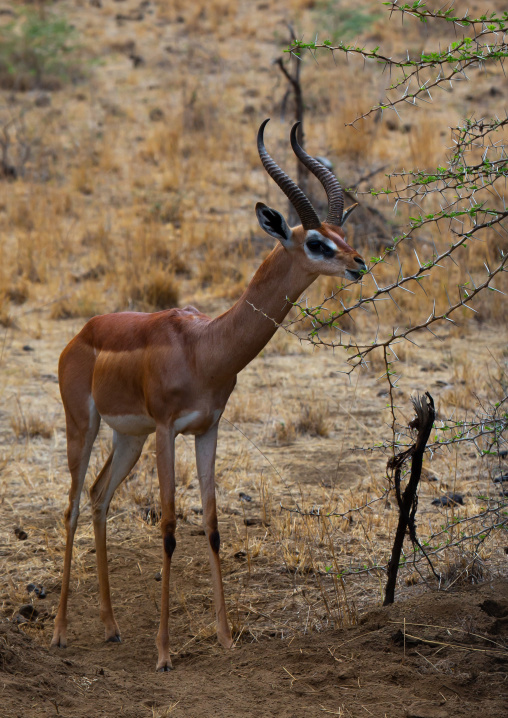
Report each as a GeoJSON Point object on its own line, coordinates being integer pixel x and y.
{"type": "Point", "coordinates": [80, 439]}
{"type": "Point", "coordinates": [125, 453]}
{"type": "Point", "coordinates": [206, 445]}
{"type": "Point", "coordinates": [165, 448]}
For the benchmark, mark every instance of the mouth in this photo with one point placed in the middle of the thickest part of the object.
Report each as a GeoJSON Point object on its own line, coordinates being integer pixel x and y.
{"type": "Point", "coordinates": [352, 275]}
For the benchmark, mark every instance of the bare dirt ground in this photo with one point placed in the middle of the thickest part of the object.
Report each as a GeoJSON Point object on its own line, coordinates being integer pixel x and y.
{"type": "Point", "coordinates": [141, 184]}
{"type": "Point", "coordinates": [288, 659]}
{"type": "Point", "coordinates": [445, 668]}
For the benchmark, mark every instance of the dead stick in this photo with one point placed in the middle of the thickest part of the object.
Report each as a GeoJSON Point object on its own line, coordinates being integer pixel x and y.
{"type": "Point", "coordinates": [423, 422]}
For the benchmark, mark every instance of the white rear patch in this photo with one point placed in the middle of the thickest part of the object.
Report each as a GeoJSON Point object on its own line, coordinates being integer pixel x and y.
{"type": "Point", "coordinates": [132, 424]}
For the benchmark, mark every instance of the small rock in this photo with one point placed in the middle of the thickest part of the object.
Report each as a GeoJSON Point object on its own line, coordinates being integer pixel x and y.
{"type": "Point", "coordinates": [43, 100]}
{"type": "Point", "coordinates": [39, 590]}
{"type": "Point", "coordinates": [158, 576]}
{"type": "Point", "coordinates": [252, 522]}
{"type": "Point", "coordinates": [501, 479]}
{"type": "Point", "coordinates": [50, 377]}
{"type": "Point", "coordinates": [137, 60]}
{"type": "Point", "coordinates": [398, 639]}
{"type": "Point", "coordinates": [441, 382]}
{"type": "Point", "coordinates": [244, 497]}
{"type": "Point", "coordinates": [495, 609]}
{"type": "Point", "coordinates": [156, 115]}
{"type": "Point", "coordinates": [28, 612]}
{"type": "Point", "coordinates": [28, 348]}
{"type": "Point", "coordinates": [197, 510]}
{"type": "Point", "coordinates": [135, 17]}
{"type": "Point", "coordinates": [20, 534]}
{"type": "Point", "coordinates": [240, 555]}
{"type": "Point", "coordinates": [449, 500]}
{"type": "Point", "coordinates": [198, 532]}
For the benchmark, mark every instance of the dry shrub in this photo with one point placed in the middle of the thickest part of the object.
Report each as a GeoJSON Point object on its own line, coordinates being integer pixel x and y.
{"type": "Point", "coordinates": [208, 16]}
{"type": "Point", "coordinates": [158, 291]}
{"type": "Point", "coordinates": [83, 303]}
{"type": "Point", "coordinates": [244, 408]}
{"type": "Point", "coordinates": [163, 147]}
{"type": "Point", "coordinates": [425, 143]}
{"type": "Point", "coordinates": [18, 292]}
{"type": "Point", "coordinates": [83, 179]}
{"type": "Point", "coordinates": [224, 274]}
{"type": "Point", "coordinates": [283, 344]}
{"type": "Point", "coordinates": [6, 319]}
{"type": "Point", "coordinates": [313, 420]}
{"type": "Point", "coordinates": [285, 432]}
{"type": "Point", "coordinates": [465, 570]}
{"type": "Point", "coordinates": [350, 142]}
{"type": "Point", "coordinates": [30, 425]}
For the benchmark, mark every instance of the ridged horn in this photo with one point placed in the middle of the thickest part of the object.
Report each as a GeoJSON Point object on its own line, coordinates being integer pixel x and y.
{"type": "Point", "coordinates": [302, 205]}
{"type": "Point", "coordinates": [328, 180]}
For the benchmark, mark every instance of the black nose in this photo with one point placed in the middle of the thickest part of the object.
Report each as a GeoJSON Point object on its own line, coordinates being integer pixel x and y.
{"type": "Point", "coordinates": [361, 264]}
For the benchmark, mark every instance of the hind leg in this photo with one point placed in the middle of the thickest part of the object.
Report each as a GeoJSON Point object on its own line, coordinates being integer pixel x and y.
{"type": "Point", "coordinates": [125, 453]}
{"type": "Point", "coordinates": [81, 435]}
{"type": "Point", "coordinates": [206, 445]}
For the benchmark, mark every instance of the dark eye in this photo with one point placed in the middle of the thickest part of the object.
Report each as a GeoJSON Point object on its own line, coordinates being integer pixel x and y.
{"type": "Point", "coordinates": [318, 247]}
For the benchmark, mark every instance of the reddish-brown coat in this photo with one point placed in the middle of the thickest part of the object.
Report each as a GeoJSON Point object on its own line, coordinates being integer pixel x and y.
{"type": "Point", "coordinates": [171, 371]}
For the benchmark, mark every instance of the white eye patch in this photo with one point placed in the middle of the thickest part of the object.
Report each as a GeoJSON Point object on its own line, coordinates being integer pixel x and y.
{"type": "Point", "coordinates": [318, 247]}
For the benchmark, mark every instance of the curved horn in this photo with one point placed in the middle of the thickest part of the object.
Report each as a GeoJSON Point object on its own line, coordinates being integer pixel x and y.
{"type": "Point", "coordinates": [328, 180]}
{"type": "Point", "coordinates": [302, 205]}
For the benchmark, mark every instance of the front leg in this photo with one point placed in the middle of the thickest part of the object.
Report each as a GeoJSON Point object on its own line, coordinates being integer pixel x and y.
{"type": "Point", "coordinates": [206, 446]}
{"type": "Point", "coordinates": [165, 449]}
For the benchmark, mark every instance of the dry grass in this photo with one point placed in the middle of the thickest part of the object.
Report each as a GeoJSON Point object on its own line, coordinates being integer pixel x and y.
{"type": "Point", "coordinates": [312, 419]}
{"type": "Point", "coordinates": [117, 210]}
{"type": "Point", "coordinates": [31, 425]}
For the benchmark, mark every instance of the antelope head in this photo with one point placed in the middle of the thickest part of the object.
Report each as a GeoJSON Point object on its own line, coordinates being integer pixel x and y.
{"type": "Point", "coordinates": [321, 247]}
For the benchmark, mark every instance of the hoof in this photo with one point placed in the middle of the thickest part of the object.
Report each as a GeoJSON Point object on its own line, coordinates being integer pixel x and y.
{"type": "Point", "coordinates": [59, 639]}
{"type": "Point", "coordinates": [114, 639]}
{"type": "Point", "coordinates": [226, 642]}
{"type": "Point", "coordinates": [59, 643]}
{"type": "Point", "coordinates": [165, 668]}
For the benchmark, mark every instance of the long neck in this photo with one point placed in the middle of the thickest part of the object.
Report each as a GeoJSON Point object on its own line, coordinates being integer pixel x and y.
{"type": "Point", "coordinates": [238, 335]}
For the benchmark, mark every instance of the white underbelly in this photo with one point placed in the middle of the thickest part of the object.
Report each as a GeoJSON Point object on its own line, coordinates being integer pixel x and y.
{"type": "Point", "coordinates": [141, 424]}
{"type": "Point", "coordinates": [196, 422]}
{"type": "Point", "coordinates": [131, 424]}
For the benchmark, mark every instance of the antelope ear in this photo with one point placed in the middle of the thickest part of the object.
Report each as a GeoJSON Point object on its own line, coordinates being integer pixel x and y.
{"type": "Point", "coordinates": [347, 212]}
{"type": "Point", "coordinates": [273, 223]}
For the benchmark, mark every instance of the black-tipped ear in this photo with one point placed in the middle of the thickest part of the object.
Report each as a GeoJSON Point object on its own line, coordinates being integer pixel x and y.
{"type": "Point", "coordinates": [347, 212]}
{"type": "Point", "coordinates": [273, 223]}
